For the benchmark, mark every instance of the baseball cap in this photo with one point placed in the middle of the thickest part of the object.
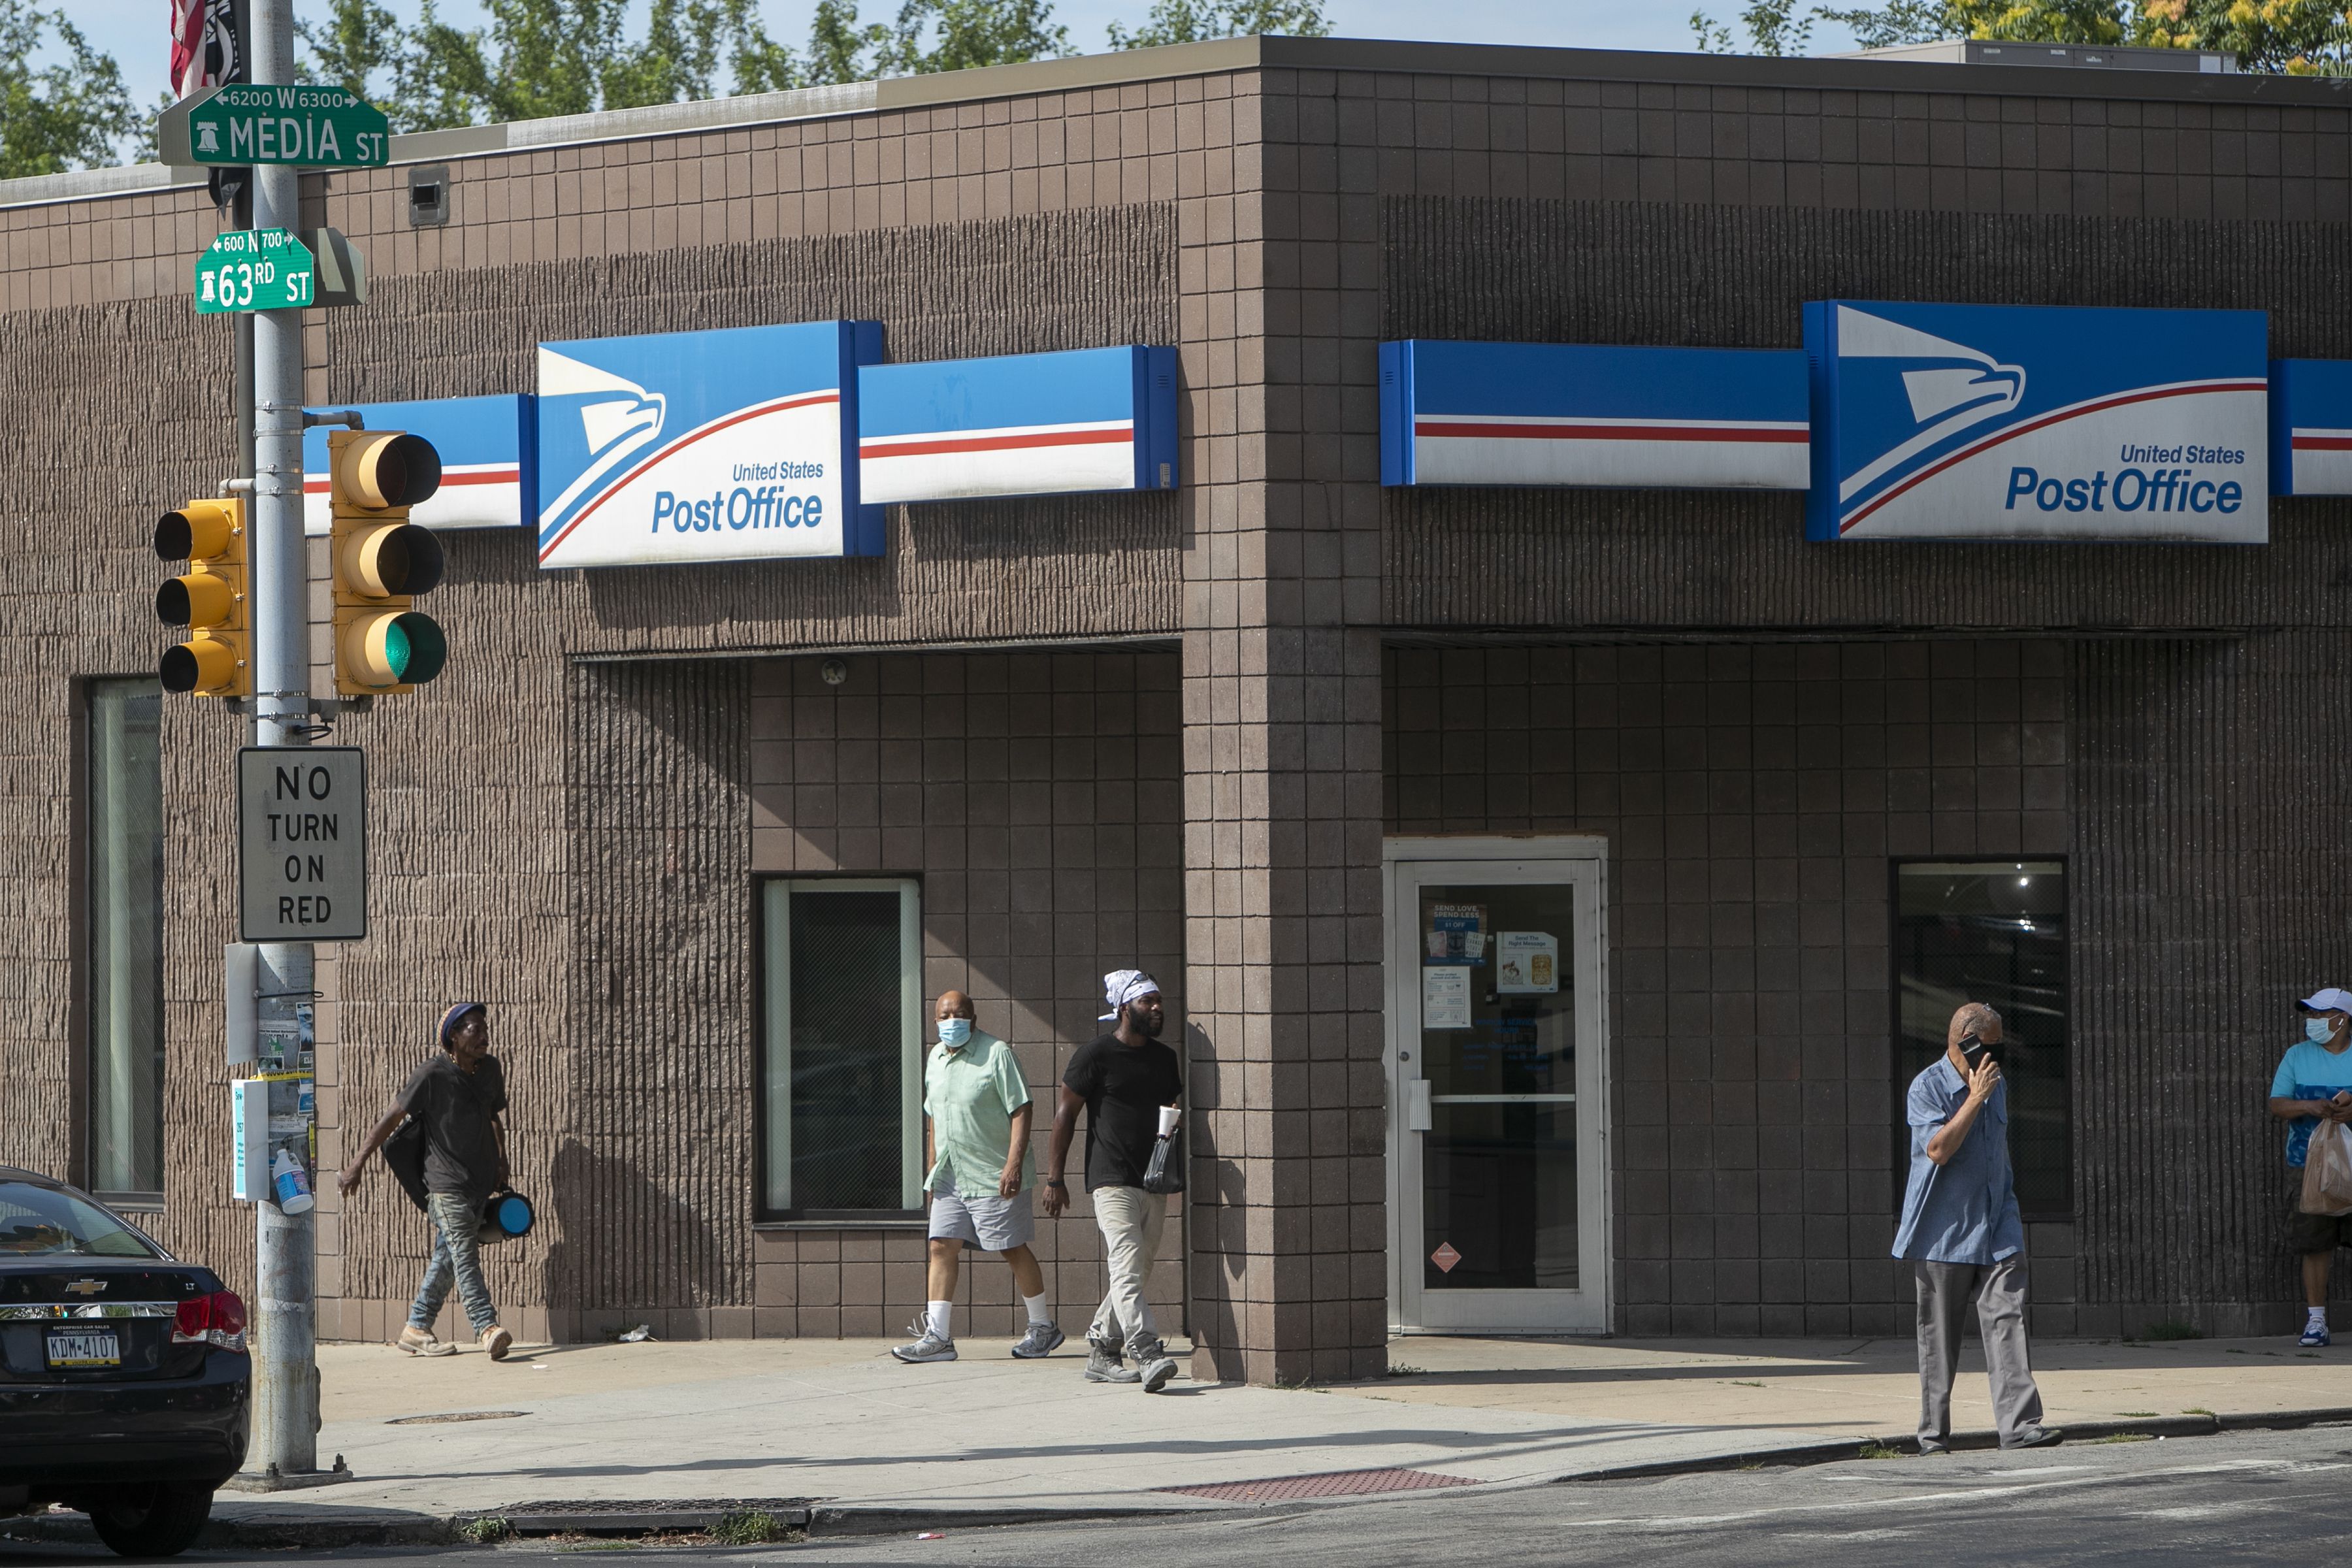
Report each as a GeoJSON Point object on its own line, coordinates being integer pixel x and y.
{"type": "Point", "coordinates": [450, 1020]}
{"type": "Point", "coordinates": [2327, 999]}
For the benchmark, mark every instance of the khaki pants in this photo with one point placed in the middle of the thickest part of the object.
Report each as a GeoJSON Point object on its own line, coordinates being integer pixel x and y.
{"type": "Point", "coordinates": [1997, 1290]}
{"type": "Point", "coordinates": [1132, 1220]}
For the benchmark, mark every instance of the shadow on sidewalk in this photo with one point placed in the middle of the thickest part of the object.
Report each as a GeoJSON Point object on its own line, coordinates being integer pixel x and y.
{"type": "Point", "coordinates": [1076, 1455]}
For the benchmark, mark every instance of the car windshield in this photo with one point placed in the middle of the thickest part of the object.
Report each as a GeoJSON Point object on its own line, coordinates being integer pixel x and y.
{"type": "Point", "coordinates": [35, 1221]}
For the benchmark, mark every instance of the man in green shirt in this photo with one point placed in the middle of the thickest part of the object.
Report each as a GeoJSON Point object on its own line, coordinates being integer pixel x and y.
{"type": "Point", "coordinates": [976, 1114]}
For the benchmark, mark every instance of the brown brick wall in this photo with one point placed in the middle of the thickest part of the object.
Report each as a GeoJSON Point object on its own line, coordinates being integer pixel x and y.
{"type": "Point", "coordinates": [1752, 796]}
{"type": "Point", "coordinates": [1275, 224]}
{"type": "Point", "coordinates": [1038, 798]}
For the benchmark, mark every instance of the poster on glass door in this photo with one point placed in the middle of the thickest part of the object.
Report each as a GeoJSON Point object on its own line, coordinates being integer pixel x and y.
{"type": "Point", "coordinates": [1526, 963]}
{"type": "Point", "coordinates": [1446, 996]}
{"type": "Point", "coordinates": [1457, 934]}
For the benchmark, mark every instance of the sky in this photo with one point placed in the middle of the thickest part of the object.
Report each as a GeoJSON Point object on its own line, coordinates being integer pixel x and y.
{"type": "Point", "coordinates": [136, 32]}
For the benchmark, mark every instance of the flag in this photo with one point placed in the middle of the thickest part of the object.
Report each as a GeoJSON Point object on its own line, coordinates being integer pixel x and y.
{"type": "Point", "coordinates": [203, 45]}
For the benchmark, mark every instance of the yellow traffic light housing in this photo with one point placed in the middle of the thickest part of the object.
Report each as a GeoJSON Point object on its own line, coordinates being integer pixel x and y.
{"type": "Point", "coordinates": [380, 559]}
{"type": "Point", "coordinates": [209, 599]}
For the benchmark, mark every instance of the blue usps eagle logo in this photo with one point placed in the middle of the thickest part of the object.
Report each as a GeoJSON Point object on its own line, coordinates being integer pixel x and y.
{"type": "Point", "coordinates": [2021, 422]}
{"type": "Point", "coordinates": [735, 444]}
{"type": "Point", "coordinates": [597, 418]}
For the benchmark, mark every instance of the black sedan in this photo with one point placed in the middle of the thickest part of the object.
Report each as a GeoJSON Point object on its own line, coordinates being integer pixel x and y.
{"type": "Point", "coordinates": [124, 1382]}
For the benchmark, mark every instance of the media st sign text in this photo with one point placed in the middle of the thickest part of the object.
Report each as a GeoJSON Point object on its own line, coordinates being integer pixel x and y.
{"type": "Point", "coordinates": [317, 127]}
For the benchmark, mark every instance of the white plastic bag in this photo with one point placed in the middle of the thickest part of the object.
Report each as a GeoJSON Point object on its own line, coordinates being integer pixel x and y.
{"type": "Point", "coordinates": [2327, 1169]}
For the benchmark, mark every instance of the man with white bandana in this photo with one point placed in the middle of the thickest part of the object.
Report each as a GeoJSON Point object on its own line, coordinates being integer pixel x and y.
{"type": "Point", "coordinates": [1122, 1081]}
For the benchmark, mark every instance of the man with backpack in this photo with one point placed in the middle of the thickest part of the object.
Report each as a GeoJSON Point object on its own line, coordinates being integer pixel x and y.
{"type": "Point", "coordinates": [452, 1106]}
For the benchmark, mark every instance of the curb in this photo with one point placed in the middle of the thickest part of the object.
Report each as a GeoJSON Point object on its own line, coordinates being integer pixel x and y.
{"type": "Point", "coordinates": [426, 1530]}
{"type": "Point", "coordinates": [2076, 1431]}
{"type": "Point", "coordinates": [818, 1519]}
{"type": "Point", "coordinates": [889, 1520]}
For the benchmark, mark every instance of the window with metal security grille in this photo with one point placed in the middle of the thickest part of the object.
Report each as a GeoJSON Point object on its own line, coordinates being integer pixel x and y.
{"type": "Point", "coordinates": [1992, 932]}
{"type": "Point", "coordinates": [122, 954]}
{"type": "Point", "coordinates": [841, 1102]}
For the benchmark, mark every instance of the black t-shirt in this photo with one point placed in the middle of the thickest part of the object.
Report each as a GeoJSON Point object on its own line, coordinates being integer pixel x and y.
{"type": "Point", "coordinates": [1124, 1086]}
{"type": "Point", "coordinates": [461, 1152]}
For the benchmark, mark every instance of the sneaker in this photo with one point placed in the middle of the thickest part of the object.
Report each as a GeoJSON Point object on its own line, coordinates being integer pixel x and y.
{"type": "Point", "coordinates": [1158, 1366]}
{"type": "Point", "coordinates": [1042, 1340]}
{"type": "Point", "coordinates": [495, 1339]}
{"type": "Point", "coordinates": [1103, 1365]}
{"type": "Point", "coordinates": [2038, 1437]}
{"type": "Point", "coordinates": [928, 1346]}
{"type": "Point", "coordinates": [420, 1342]}
{"type": "Point", "coordinates": [2314, 1335]}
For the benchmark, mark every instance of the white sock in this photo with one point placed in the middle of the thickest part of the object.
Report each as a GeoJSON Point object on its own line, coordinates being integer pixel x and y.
{"type": "Point", "coordinates": [938, 1319]}
{"type": "Point", "coordinates": [1039, 1311]}
{"type": "Point", "coordinates": [2318, 1317]}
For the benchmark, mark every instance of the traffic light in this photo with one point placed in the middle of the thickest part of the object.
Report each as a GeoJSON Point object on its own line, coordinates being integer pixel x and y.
{"type": "Point", "coordinates": [209, 599]}
{"type": "Point", "coordinates": [380, 559]}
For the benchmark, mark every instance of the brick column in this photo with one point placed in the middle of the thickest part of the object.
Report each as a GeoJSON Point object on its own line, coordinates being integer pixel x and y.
{"type": "Point", "coordinates": [1282, 760]}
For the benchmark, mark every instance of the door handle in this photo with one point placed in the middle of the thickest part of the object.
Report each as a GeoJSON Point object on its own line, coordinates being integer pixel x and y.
{"type": "Point", "coordinates": [1416, 1106]}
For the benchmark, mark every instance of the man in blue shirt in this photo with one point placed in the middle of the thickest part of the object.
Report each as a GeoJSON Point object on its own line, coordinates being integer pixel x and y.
{"type": "Point", "coordinates": [2314, 1084]}
{"type": "Point", "coordinates": [1963, 1239]}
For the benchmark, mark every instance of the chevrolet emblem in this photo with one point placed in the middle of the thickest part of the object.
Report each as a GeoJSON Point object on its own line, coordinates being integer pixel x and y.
{"type": "Point", "coordinates": [84, 1286]}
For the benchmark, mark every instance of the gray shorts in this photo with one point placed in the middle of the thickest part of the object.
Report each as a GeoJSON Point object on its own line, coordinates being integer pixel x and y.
{"type": "Point", "coordinates": [992, 1224]}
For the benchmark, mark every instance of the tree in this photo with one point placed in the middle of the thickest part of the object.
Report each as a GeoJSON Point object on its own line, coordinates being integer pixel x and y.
{"type": "Point", "coordinates": [962, 33]}
{"type": "Point", "coordinates": [2043, 21]}
{"type": "Point", "coordinates": [2265, 35]}
{"type": "Point", "coordinates": [70, 113]}
{"type": "Point", "coordinates": [539, 58]}
{"type": "Point", "coordinates": [1185, 22]}
{"type": "Point", "coordinates": [1774, 28]}
{"type": "Point", "coordinates": [1898, 21]}
{"type": "Point", "coordinates": [2300, 37]}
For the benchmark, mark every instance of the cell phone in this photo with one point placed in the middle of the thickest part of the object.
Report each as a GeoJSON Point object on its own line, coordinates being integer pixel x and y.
{"type": "Point", "coordinates": [1972, 1049]}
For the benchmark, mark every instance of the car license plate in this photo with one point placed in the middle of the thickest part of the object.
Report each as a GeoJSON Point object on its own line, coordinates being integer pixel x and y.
{"type": "Point", "coordinates": [85, 1349]}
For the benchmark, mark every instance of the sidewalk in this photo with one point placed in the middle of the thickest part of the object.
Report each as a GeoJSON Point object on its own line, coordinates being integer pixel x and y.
{"type": "Point", "coordinates": [838, 1425]}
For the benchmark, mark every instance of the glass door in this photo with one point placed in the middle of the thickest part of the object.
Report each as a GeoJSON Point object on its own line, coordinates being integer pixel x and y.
{"type": "Point", "coordinates": [1498, 1056]}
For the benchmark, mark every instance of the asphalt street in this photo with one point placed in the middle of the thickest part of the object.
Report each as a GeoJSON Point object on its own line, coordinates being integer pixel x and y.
{"type": "Point", "coordinates": [2254, 1498]}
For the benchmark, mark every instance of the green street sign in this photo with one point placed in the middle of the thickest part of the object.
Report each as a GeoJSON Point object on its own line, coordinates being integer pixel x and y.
{"type": "Point", "coordinates": [277, 270]}
{"type": "Point", "coordinates": [255, 269]}
{"type": "Point", "coordinates": [317, 127]}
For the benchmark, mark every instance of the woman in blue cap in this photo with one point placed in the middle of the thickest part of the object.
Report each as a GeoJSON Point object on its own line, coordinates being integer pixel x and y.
{"type": "Point", "coordinates": [459, 1097]}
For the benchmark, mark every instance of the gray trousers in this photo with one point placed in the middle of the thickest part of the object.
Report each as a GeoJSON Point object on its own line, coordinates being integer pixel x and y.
{"type": "Point", "coordinates": [1998, 1290]}
{"type": "Point", "coordinates": [1131, 1221]}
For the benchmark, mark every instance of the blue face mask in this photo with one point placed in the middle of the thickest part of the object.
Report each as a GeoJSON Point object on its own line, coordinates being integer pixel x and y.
{"type": "Point", "coordinates": [954, 1032]}
{"type": "Point", "coordinates": [2318, 1031]}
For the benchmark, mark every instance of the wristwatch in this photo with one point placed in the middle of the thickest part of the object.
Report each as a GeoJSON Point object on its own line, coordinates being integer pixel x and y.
{"type": "Point", "coordinates": [1054, 1182]}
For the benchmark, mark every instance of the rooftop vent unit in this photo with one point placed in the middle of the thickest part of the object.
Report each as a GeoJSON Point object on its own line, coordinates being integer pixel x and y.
{"type": "Point", "coordinates": [2082, 56]}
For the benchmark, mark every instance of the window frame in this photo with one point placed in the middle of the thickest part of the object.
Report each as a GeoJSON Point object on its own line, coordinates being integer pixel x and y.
{"type": "Point", "coordinates": [1902, 1149]}
{"type": "Point", "coordinates": [84, 918]}
{"type": "Point", "coordinates": [771, 1052]}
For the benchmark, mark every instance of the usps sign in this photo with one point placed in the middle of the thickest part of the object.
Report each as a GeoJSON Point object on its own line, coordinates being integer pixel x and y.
{"type": "Point", "coordinates": [699, 447]}
{"type": "Point", "coordinates": [487, 471]}
{"type": "Point", "coordinates": [2023, 422]}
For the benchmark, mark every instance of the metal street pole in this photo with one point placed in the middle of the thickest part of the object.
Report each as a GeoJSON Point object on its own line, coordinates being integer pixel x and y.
{"type": "Point", "coordinates": [286, 1378]}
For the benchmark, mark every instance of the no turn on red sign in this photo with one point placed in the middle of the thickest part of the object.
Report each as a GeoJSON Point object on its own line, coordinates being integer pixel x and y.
{"type": "Point", "coordinates": [301, 814]}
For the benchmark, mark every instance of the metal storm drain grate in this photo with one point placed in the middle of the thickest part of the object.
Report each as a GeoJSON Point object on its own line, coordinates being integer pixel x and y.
{"type": "Point", "coordinates": [1332, 1483]}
